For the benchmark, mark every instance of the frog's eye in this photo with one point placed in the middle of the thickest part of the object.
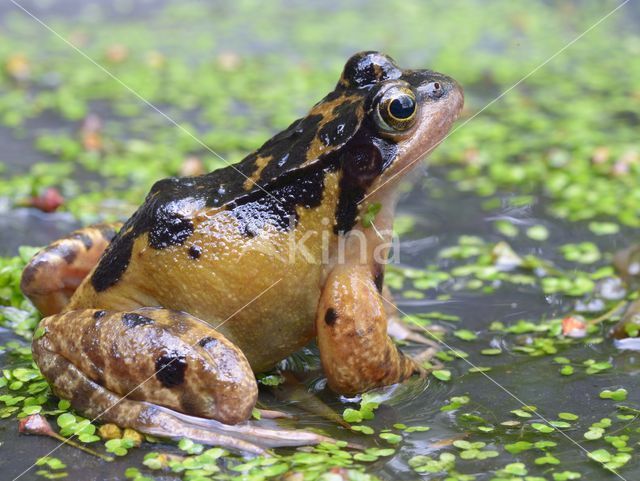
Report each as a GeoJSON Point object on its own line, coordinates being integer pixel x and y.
{"type": "Point", "coordinates": [396, 109]}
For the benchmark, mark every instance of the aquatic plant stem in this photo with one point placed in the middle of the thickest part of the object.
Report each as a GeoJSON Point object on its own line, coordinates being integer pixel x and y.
{"type": "Point", "coordinates": [608, 314]}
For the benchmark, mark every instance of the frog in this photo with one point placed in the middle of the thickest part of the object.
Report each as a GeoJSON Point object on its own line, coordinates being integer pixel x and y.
{"type": "Point", "coordinates": [160, 324]}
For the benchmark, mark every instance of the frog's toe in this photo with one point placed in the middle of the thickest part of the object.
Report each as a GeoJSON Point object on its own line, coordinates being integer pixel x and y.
{"type": "Point", "coordinates": [53, 274]}
{"type": "Point", "coordinates": [629, 325]}
{"type": "Point", "coordinates": [427, 357]}
{"type": "Point", "coordinates": [249, 432]}
{"type": "Point", "coordinates": [401, 331]}
{"type": "Point", "coordinates": [273, 414]}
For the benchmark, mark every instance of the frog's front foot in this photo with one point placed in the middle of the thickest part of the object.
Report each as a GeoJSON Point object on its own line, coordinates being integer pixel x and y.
{"type": "Point", "coordinates": [627, 264]}
{"type": "Point", "coordinates": [629, 325]}
{"type": "Point", "coordinates": [154, 370]}
{"type": "Point", "coordinates": [356, 352]}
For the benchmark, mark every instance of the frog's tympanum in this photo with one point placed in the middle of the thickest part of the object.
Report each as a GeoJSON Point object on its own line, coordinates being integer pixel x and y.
{"type": "Point", "coordinates": [222, 275]}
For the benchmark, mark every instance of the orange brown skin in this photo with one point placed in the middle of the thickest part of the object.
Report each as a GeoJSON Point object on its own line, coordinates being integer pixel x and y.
{"type": "Point", "coordinates": [356, 352]}
{"type": "Point", "coordinates": [218, 247]}
{"type": "Point", "coordinates": [54, 274]}
{"type": "Point", "coordinates": [167, 349]}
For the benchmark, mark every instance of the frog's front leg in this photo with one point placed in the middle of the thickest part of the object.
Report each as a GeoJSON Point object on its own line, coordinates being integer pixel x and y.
{"type": "Point", "coordinates": [54, 273]}
{"type": "Point", "coordinates": [356, 352]}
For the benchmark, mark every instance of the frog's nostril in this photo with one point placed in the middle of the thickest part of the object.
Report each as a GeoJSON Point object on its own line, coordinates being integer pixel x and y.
{"type": "Point", "coordinates": [435, 90]}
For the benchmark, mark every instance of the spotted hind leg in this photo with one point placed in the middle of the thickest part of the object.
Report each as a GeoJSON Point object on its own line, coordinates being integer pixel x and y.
{"type": "Point", "coordinates": [54, 273]}
{"type": "Point", "coordinates": [162, 372]}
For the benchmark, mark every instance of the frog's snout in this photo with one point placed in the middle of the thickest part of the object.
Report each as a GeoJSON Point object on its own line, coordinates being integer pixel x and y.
{"type": "Point", "coordinates": [456, 92]}
{"type": "Point", "coordinates": [436, 88]}
{"type": "Point", "coordinates": [451, 99]}
{"type": "Point", "coordinates": [441, 99]}
{"type": "Point", "coordinates": [451, 91]}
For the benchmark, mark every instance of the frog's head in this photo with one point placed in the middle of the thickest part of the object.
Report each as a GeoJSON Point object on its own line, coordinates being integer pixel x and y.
{"type": "Point", "coordinates": [405, 115]}
{"type": "Point", "coordinates": [378, 122]}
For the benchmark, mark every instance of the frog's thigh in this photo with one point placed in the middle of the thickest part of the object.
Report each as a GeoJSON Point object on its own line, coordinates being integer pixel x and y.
{"type": "Point", "coordinates": [164, 357]}
{"type": "Point", "coordinates": [356, 352]}
{"type": "Point", "coordinates": [54, 273]}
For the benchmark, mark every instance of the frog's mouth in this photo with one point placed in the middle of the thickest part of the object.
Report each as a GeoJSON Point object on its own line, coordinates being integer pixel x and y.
{"type": "Point", "coordinates": [432, 127]}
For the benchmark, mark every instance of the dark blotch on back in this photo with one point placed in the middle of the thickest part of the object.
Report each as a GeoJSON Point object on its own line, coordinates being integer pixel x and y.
{"type": "Point", "coordinates": [169, 229]}
{"type": "Point", "coordinates": [157, 217]}
{"type": "Point", "coordinates": [304, 188]}
{"type": "Point", "coordinates": [170, 369]}
{"type": "Point", "coordinates": [288, 148]}
{"type": "Point", "coordinates": [195, 252]}
{"type": "Point", "coordinates": [114, 262]}
{"type": "Point", "coordinates": [330, 317]}
{"type": "Point", "coordinates": [342, 127]}
{"type": "Point", "coordinates": [67, 251]}
{"type": "Point", "coordinates": [99, 314]}
{"type": "Point", "coordinates": [131, 319]}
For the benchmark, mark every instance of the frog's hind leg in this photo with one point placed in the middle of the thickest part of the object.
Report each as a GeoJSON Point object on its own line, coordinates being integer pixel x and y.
{"type": "Point", "coordinates": [54, 273]}
{"type": "Point", "coordinates": [153, 370]}
{"type": "Point", "coordinates": [165, 357]}
{"type": "Point", "coordinates": [103, 405]}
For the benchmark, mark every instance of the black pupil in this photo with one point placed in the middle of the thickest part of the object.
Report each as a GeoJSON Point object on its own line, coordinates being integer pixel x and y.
{"type": "Point", "coordinates": [402, 107]}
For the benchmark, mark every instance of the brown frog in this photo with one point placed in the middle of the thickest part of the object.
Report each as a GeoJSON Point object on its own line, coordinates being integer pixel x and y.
{"type": "Point", "coordinates": [222, 275]}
